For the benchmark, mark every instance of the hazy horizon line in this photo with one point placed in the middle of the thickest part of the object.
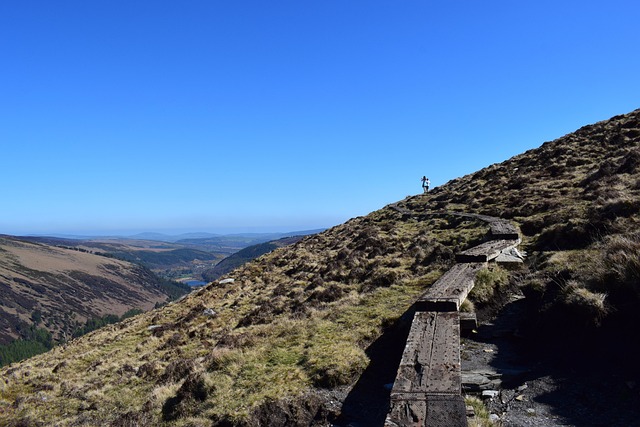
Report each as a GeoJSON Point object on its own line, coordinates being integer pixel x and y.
{"type": "Point", "coordinates": [220, 231]}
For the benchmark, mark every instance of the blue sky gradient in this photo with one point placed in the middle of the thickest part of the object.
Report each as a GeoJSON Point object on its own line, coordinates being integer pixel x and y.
{"type": "Point", "coordinates": [121, 117]}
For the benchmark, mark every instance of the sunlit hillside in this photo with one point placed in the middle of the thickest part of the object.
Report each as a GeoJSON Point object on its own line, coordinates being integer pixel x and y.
{"type": "Point", "coordinates": [284, 339]}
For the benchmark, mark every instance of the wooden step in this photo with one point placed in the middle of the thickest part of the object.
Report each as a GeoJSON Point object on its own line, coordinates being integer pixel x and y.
{"type": "Point", "coordinates": [486, 251]}
{"type": "Point", "coordinates": [504, 230]}
{"type": "Point", "coordinates": [431, 359]}
{"type": "Point", "coordinates": [468, 321]}
{"type": "Point", "coordinates": [428, 411]}
{"type": "Point", "coordinates": [427, 389]}
{"type": "Point", "coordinates": [500, 228]}
{"type": "Point", "coordinates": [450, 290]}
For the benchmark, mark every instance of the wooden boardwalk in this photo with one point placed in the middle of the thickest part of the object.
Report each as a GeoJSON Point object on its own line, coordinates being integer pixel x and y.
{"type": "Point", "coordinates": [448, 293]}
{"type": "Point", "coordinates": [486, 251]}
{"type": "Point", "coordinates": [427, 389]}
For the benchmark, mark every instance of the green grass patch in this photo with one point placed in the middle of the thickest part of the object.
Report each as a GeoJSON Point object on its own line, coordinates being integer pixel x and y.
{"type": "Point", "coordinates": [487, 282]}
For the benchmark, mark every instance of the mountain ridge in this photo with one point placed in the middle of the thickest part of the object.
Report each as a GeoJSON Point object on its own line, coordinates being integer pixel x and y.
{"type": "Point", "coordinates": [65, 287]}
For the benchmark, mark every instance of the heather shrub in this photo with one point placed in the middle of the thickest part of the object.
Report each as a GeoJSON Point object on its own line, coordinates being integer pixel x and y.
{"type": "Point", "coordinates": [583, 303]}
{"type": "Point", "coordinates": [620, 266]}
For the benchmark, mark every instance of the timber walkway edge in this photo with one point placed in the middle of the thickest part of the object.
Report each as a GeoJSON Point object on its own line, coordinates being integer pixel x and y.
{"type": "Point", "coordinates": [427, 391]}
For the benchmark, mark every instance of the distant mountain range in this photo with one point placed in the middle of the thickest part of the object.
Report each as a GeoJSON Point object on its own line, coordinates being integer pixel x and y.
{"type": "Point", "coordinates": [173, 238]}
{"type": "Point", "coordinates": [170, 256]}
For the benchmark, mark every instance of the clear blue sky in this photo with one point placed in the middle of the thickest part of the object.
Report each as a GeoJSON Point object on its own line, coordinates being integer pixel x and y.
{"type": "Point", "coordinates": [152, 115]}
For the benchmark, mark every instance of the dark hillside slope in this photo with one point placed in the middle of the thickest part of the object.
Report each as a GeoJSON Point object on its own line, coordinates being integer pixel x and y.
{"type": "Point", "coordinates": [60, 289]}
{"type": "Point", "coordinates": [291, 336]}
{"type": "Point", "coordinates": [245, 255]}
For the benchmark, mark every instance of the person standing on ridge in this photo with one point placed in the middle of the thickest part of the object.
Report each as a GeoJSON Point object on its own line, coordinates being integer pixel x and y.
{"type": "Point", "coordinates": [425, 184]}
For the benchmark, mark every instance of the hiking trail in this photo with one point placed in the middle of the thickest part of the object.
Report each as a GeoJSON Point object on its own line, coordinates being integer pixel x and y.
{"type": "Point", "coordinates": [427, 391]}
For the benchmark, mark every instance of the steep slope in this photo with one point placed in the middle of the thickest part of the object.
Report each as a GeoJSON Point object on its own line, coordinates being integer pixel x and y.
{"type": "Point", "coordinates": [60, 289]}
{"type": "Point", "coordinates": [288, 340]}
{"type": "Point", "coordinates": [577, 201]}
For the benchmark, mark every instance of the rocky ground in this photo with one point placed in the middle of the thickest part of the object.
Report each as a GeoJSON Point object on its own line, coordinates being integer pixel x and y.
{"type": "Point", "coordinates": [564, 383]}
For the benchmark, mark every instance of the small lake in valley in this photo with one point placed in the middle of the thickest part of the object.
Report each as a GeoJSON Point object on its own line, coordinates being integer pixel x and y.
{"type": "Point", "coordinates": [194, 282]}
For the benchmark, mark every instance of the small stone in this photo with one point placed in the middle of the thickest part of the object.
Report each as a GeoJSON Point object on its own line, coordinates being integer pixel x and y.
{"type": "Point", "coordinates": [506, 396]}
{"type": "Point", "coordinates": [520, 397]}
{"type": "Point", "coordinates": [488, 350]}
{"type": "Point", "coordinates": [209, 312]}
{"type": "Point", "coordinates": [475, 381]}
{"type": "Point", "coordinates": [470, 411]}
{"type": "Point", "coordinates": [490, 394]}
{"type": "Point", "coordinates": [225, 281]}
{"type": "Point", "coordinates": [531, 411]}
{"type": "Point", "coordinates": [523, 387]}
{"type": "Point", "coordinates": [152, 327]}
{"type": "Point", "coordinates": [494, 418]}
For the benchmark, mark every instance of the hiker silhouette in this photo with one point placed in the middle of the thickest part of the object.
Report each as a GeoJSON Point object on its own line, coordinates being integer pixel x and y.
{"type": "Point", "coordinates": [425, 184]}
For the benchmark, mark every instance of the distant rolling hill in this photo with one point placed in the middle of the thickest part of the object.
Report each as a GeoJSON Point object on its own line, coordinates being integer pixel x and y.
{"type": "Point", "coordinates": [170, 256]}
{"type": "Point", "coordinates": [171, 238]}
{"type": "Point", "coordinates": [234, 242]}
{"type": "Point", "coordinates": [170, 260]}
{"type": "Point", "coordinates": [60, 289]}
{"type": "Point", "coordinates": [245, 255]}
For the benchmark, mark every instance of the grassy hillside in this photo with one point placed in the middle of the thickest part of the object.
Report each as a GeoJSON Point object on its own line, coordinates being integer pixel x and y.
{"type": "Point", "coordinates": [59, 289]}
{"type": "Point", "coordinates": [286, 340]}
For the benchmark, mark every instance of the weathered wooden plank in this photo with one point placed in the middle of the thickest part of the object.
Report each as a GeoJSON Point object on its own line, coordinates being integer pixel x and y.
{"type": "Point", "coordinates": [428, 411]}
{"type": "Point", "coordinates": [468, 321]}
{"type": "Point", "coordinates": [408, 412]}
{"type": "Point", "coordinates": [500, 228]}
{"type": "Point", "coordinates": [448, 292]}
{"type": "Point", "coordinates": [431, 359]}
{"type": "Point", "coordinates": [486, 251]}
{"type": "Point", "coordinates": [418, 347]}
{"type": "Point", "coordinates": [503, 230]}
{"type": "Point", "coordinates": [446, 411]}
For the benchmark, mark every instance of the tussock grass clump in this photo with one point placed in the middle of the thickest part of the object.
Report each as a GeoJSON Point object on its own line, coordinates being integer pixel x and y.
{"type": "Point", "coordinates": [584, 303]}
{"type": "Point", "coordinates": [467, 306]}
{"type": "Point", "coordinates": [620, 265]}
{"type": "Point", "coordinates": [481, 418]}
{"type": "Point", "coordinates": [488, 282]}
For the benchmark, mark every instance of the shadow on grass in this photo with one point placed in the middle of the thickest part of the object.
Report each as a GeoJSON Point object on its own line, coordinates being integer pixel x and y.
{"type": "Point", "coordinates": [368, 402]}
